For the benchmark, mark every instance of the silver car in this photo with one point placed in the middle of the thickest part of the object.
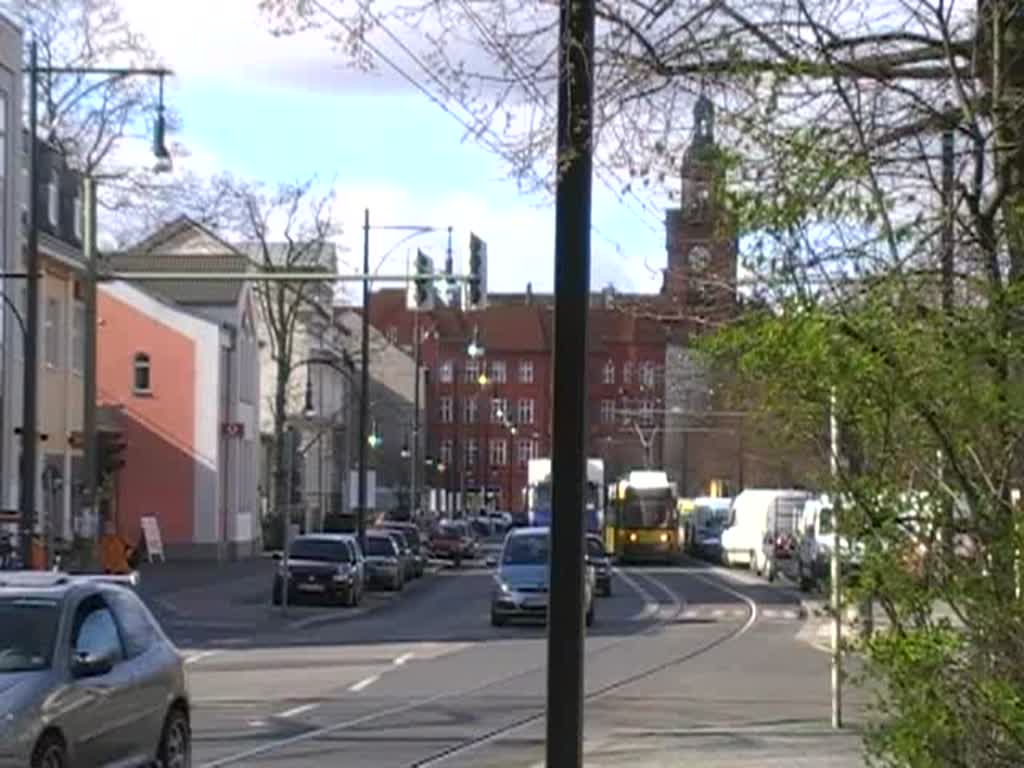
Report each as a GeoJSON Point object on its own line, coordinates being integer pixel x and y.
{"type": "Point", "coordinates": [87, 676]}
{"type": "Point", "coordinates": [522, 577]}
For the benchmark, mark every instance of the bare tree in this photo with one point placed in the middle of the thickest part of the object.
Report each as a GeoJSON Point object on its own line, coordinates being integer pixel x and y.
{"type": "Point", "coordinates": [86, 115]}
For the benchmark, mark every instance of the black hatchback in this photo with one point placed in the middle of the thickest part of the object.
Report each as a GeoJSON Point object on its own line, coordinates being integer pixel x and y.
{"type": "Point", "coordinates": [602, 564]}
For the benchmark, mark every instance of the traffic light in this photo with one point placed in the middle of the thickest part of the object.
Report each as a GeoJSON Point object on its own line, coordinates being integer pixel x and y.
{"type": "Point", "coordinates": [111, 453]}
{"type": "Point", "coordinates": [374, 440]}
{"type": "Point", "coordinates": [477, 287]}
{"type": "Point", "coordinates": [423, 283]}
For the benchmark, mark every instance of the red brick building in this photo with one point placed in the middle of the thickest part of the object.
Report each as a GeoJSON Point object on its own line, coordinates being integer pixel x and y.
{"type": "Point", "coordinates": [640, 412]}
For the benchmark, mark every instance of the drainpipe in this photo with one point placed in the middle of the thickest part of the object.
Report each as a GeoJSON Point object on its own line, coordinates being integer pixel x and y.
{"type": "Point", "coordinates": [222, 538]}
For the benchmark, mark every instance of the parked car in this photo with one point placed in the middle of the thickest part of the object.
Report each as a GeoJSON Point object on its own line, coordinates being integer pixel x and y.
{"type": "Point", "coordinates": [405, 553]}
{"type": "Point", "coordinates": [522, 578]}
{"type": "Point", "coordinates": [384, 566]}
{"type": "Point", "coordinates": [87, 676]}
{"type": "Point", "coordinates": [323, 565]}
{"type": "Point", "coordinates": [601, 562]}
{"type": "Point", "coordinates": [415, 541]}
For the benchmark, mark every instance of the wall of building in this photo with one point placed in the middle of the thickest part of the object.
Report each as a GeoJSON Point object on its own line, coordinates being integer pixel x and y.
{"type": "Point", "coordinates": [173, 431]}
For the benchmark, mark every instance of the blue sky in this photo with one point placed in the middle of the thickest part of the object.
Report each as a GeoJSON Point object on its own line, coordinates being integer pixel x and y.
{"type": "Point", "coordinates": [283, 110]}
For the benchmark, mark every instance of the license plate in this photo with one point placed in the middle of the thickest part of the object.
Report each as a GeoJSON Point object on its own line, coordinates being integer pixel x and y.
{"type": "Point", "coordinates": [535, 603]}
{"type": "Point", "coordinates": [311, 587]}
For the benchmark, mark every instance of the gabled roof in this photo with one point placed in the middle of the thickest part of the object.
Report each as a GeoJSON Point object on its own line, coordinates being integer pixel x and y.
{"type": "Point", "coordinates": [185, 245]}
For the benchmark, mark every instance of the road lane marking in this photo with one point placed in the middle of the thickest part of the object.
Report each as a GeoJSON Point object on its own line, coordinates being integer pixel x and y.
{"type": "Point", "coordinates": [200, 656]}
{"type": "Point", "coordinates": [650, 604]}
{"type": "Point", "coordinates": [298, 710]}
{"type": "Point", "coordinates": [257, 723]}
{"type": "Point", "coordinates": [403, 659]}
{"type": "Point", "coordinates": [366, 682]}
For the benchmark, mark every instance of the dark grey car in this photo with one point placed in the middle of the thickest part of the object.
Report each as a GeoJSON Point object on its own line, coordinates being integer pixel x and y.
{"type": "Point", "coordinates": [87, 677]}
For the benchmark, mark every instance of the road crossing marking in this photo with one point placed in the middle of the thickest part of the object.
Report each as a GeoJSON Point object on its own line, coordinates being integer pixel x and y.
{"type": "Point", "coordinates": [366, 682]}
{"type": "Point", "coordinates": [403, 659]}
{"type": "Point", "coordinates": [298, 710]}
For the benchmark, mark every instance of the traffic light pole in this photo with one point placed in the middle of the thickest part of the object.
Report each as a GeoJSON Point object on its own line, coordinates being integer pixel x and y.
{"type": "Point", "coordinates": [364, 384]}
{"type": "Point", "coordinates": [564, 743]}
{"type": "Point", "coordinates": [90, 444]}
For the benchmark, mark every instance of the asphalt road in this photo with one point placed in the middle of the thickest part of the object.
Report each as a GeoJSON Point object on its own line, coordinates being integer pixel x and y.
{"type": "Point", "coordinates": [682, 661]}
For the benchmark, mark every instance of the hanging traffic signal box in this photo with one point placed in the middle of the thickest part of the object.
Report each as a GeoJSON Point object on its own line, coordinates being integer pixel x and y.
{"type": "Point", "coordinates": [477, 288]}
{"type": "Point", "coordinates": [423, 283]}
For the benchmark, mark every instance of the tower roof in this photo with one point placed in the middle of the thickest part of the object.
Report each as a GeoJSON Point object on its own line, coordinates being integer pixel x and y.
{"type": "Point", "coordinates": [702, 147]}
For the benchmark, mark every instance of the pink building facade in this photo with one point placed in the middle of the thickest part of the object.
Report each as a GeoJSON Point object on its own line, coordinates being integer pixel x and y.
{"type": "Point", "coordinates": [173, 376]}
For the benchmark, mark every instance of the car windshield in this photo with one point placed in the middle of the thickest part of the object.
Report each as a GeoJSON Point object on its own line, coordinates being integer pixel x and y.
{"type": "Point", "coordinates": [451, 531]}
{"type": "Point", "coordinates": [320, 549]}
{"type": "Point", "coordinates": [594, 547]}
{"type": "Point", "coordinates": [380, 546]}
{"type": "Point", "coordinates": [647, 509]}
{"type": "Point", "coordinates": [530, 549]}
{"type": "Point", "coordinates": [28, 628]}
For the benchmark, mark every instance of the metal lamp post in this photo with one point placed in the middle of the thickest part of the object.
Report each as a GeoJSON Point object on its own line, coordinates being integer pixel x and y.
{"type": "Point", "coordinates": [29, 427]}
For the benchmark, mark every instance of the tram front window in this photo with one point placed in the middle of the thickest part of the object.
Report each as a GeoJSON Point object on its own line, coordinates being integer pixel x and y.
{"type": "Point", "coordinates": [647, 510]}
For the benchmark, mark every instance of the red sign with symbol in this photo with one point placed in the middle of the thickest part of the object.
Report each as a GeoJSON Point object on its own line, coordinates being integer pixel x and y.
{"type": "Point", "coordinates": [233, 429]}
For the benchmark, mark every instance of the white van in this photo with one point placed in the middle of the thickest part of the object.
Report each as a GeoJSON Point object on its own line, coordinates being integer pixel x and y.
{"type": "Point", "coordinates": [755, 513]}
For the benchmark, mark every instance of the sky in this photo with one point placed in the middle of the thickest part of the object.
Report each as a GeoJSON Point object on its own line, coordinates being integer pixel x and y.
{"type": "Point", "coordinates": [284, 109]}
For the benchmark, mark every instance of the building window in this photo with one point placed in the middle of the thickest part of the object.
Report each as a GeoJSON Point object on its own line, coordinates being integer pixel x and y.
{"type": "Point", "coordinates": [469, 410]}
{"type": "Point", "coordinates": [78, 338]}
{"type": "Point", "coordinates": [627, 372]}
{"type": "Point", "coordinates": [526, 451]}
{"type": "Point", "coordinates": [446, 452]}
{"type": "Point", "coordinates": [647, 374]}
{"type": "Point", "coordinates": [499, 372]}
{"type": "Point", "coordinates": [51, 333]}
{"type": "Point", "coordinates": [53, 200]}
{"type": "Point", "coordinates": [141, 372]}
{"type": "Point", "coordinates": [499, 409]}
{"type": "Point", "coordinates": [497, 453]}
{"type": "Point", "coordinates": [472, 371]}
{"type": "Point", "coordinates": [472, 452]}
{"type": "Point", "coordinates": [607, 411]}
{"type": "Point", "coordinates": [77, 206]}
{"type": "Point", "coordinates": [524, 413]}
{"type": "Point", "coordinates": [446, 372]}
{"type": "Point", "coordinates": [446, 410]}
{"type": "Point", "coordinates": [526, 371]}
{"type": "Point", "coordinates": [609, 372]}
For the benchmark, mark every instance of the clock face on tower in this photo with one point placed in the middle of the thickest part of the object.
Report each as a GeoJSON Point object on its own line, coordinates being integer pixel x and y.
{"type": "Point", "coordinates": [699, 258]}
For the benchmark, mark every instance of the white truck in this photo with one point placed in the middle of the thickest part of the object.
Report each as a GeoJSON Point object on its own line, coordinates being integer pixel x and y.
{"type": "Point", "coordinates": [538, 493]}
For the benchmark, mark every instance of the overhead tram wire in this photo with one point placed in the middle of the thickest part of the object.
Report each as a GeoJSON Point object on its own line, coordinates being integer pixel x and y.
{"type": "Point", "coordinates": [543, 102]}
{"type": "Point", "coordinates": [481, 131]}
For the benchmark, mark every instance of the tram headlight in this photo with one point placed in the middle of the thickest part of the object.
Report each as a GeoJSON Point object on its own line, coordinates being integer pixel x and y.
{"type": "Point", "coordinates": [632, 537]}
{"type": "Point", "coordinates": [664, 538]}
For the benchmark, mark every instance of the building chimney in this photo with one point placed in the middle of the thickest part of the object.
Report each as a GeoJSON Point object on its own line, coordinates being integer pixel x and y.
{"type": "Point", "coordinates": [529, 294]}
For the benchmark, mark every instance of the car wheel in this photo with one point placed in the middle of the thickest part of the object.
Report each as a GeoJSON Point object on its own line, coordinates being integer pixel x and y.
{"type": "Point", "coordinates": [590, 616]}
{"type": "Point", "coordinates": [753, 563]}
{"type": "Point", "coordinates": [50, 752]}
{"type": "Point", "coordinates": [497, 620]}
{"type": "Point", "coordinates": [176, 742]}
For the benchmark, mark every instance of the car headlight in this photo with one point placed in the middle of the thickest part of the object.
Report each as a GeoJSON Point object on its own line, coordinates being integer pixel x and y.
{"type": "Point", "coordinates": [344, 573]}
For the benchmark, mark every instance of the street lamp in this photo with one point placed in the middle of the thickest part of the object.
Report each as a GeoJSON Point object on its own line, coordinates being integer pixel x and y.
{"type": "Point", "coordinates": [475, 349]}
{"type": "Point", "coordinates": [30, 405]}
{"type": "Point", "coordinates": [163, 163]}
{"type": "Point", "coordinates": [405, 449]}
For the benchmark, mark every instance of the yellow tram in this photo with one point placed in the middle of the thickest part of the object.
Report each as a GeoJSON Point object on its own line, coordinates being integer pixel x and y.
{"type": "Point", "coordinates": [642, 518]}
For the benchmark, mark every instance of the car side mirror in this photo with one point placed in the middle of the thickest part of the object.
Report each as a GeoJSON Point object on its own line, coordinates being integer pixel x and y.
{"type": "Point", "coordinates": [88, 665]}
{"type": "Point", "coordinates": [277, 556]}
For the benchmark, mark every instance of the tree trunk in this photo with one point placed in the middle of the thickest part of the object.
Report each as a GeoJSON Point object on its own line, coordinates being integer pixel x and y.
{"type": "Point", "coordinates": [280, 417]}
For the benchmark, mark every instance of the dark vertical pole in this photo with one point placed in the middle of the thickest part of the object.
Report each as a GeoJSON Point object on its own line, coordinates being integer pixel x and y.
{"type": "Point", "coordinates": [364, 376]}
{"type": "Point", "coordinates": [564, 743]}
{"type": "Point", "coordinates": [459, 459]}
{"type": "Point", "coordinates": [90, 445]}
{"type": "Point", "coordinates": [29, 438]}
{"type": "Point", "coordinates": [414, 449]}
{"type": "Point", "coordinates": [947, 218]}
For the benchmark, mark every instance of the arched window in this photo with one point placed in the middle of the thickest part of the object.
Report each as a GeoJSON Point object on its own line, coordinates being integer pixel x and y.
{"type": "Point", "coordinates": [140, 379]}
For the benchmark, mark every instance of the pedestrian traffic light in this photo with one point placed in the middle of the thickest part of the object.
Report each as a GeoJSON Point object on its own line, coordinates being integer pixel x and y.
{"type": "Point", "coordinates": [373, 439]}
{"type": "Point", "coordinates": [477, 288]}
{"type": "Point", "coordinates": [423, 283]}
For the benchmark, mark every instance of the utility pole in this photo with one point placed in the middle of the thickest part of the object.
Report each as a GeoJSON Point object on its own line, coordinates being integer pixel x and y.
{"type": "Point", "coordinates": [30, 386]}
{"type": "Point", "coordinates": [90, 444]}
{"type": "Point", "coordinates": [573, 201]}
{"type": "Point", "coordinates": [364, 379]}
{"type": "Point", "coordinates": [414, 449]}
{"type": "Point", "coordinates": [837, 617]}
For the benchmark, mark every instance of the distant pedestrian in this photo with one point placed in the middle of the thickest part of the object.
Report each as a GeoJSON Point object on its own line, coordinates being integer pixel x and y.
{"type": "Point", "coordinates": [116, 554]}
